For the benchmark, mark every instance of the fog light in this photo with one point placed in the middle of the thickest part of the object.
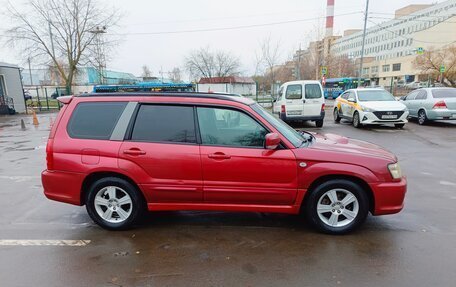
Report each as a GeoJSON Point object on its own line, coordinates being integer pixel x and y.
{"type": "Point", "coordinates": [364, 118]}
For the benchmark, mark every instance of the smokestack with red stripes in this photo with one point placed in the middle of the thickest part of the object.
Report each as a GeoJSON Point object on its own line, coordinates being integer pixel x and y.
{"type": "Point", "coordinates": [329, 18]}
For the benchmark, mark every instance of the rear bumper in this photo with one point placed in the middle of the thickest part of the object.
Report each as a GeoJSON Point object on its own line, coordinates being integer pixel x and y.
{"type": "Point", "coordinates": [389, 196]}
{"type": "Point", "coordinates": [63, 186]}
{"type": "Point", "coordinates": [441, 114]}
{"type": "Point", "coordinates": [290, 118]}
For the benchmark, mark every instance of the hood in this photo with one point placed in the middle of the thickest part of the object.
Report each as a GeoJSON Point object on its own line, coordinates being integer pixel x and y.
{"type": "Point", "coordinates": [344, 145]}
{"type": "Point", "coordinates": [384, 105]}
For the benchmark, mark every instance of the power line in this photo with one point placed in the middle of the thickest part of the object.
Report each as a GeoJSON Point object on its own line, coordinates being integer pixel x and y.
{"type": "Point", "coordinates": [230, 28]}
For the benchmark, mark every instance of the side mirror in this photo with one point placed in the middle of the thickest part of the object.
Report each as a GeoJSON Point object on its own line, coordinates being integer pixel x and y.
{"type": "Point", "coordinates": [352, 100]}
{"type": "Point", "coordinates": [272, 141]}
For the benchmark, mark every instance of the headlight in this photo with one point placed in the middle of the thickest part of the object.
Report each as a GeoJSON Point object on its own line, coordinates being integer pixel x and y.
{"type": "Point", "coordinates": [367, 109]}
{"type": "Point", "coordinates": [395, 170]}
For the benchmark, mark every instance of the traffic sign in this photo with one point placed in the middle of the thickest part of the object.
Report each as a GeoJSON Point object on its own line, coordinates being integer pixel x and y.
{"type": "Point", "coordinates": [442, 69]}
{"type": "Point", "coordinates": [420, 50]}
{"type": "Point", "coordinates": [324, 70]}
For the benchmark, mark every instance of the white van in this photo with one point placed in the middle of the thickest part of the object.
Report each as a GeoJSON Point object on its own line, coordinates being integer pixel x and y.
{"type": "Point", "coordinates": [300, 101]}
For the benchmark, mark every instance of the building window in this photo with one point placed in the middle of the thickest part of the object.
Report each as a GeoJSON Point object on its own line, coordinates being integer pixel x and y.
{"type": "Point", "coordinates": [374, 69]}
{"type": "Point", "coordinates": [386, 68]}
{"type": "Point", "coordinates": [396, 67]}
{"type": "Point", "coordinates": [366, 71]}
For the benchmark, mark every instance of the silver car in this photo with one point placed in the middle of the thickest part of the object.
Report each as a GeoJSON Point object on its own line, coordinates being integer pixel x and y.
{"type": "Point", "coordinates": [430, 104]}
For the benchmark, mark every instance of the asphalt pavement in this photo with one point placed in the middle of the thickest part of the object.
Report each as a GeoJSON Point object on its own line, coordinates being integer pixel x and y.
{"type": "Point", "coordinates": [46, 243]}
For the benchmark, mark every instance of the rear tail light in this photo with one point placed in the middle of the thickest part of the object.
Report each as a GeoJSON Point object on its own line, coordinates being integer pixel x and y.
{"type": "Point", "coordinates": [440, 105]}
{"type": "Point", "coordinates": [50, 154]}
{"type": "Point", "coordinates": [323, 107]}
{"type": "Point", "coordinates": [282, 109]}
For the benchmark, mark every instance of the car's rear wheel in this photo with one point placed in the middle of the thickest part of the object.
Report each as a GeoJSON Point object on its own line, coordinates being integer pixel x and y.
{"type": "Point", "coordinates": [114, 203]}
{"type": "Point", "coordinates": [422, 118]}
{"type": "Point", "coordinates": [337, 206]}
{"type": "Point", "coordinates": [319, 123]}
{"type": "Point", "coordinates": [356, 121]}
{"type": "Point", "coordinates": [336, 115]}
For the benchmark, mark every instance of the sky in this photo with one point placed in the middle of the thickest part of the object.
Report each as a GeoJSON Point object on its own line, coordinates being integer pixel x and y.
{"type": "Point", "coordinates": [160, 34]}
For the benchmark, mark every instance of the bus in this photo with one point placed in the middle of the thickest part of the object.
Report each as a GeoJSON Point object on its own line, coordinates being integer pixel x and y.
{"type": "Point", "coordinates": [333, 87]}
{"type": "Point", "coordinates": [145, 87]}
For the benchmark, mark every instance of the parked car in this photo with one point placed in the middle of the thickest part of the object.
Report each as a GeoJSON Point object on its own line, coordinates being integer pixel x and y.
{"type": "Point", "coordinates": [301, 101]}
{"type": "Point", "coordinates": [431, 104]}
{"type": "Point", "coordinates": [123, 154]}
{"type": "Point", "coordinates": [58, 93]}
{"type": "Point", "coordinates": [27, 95]}
{"type": "Point", "coordinates": [370, 106]}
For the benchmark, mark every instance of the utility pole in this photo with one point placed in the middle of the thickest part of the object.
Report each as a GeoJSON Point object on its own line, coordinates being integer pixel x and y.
{"type": "Point", "coordinates": [298, 73]}
{"type": "Point", "coordinates": [362, 46]}
{"type": "Point", "coordinates": [99, 52]}
{"type": "Point", "coordinates": [30, 72]}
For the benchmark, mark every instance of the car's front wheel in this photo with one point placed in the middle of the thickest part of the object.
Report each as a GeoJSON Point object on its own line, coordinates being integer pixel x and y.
{"type": "Point", "coordinates": [356, 121]}
{"type": "Point", "coordinates": [114, 203]}
{"type": "Point", "coordinates": [337, 206]}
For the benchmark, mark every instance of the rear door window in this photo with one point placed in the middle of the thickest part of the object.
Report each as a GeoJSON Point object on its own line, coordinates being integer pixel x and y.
{"type": "Point", "coordinates": [313, 91]}
{"type": "Point", "coordinates": [294, 92]}
{"type": "Point", "coordinates": [95, 120]}
{"type": "Point", "coordinates": [161, 123]}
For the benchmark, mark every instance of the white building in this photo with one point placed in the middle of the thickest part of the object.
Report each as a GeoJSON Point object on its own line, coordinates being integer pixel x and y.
{"type": "Point", "coordinates": [11, 91]}
{"type": "Point", "coordinates": [392, 45]}
{"type": "Point", "coordinates": [234, 85]}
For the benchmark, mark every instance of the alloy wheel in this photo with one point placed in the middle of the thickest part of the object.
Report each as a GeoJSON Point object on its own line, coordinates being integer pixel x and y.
{"type": "Point", "coordinates": [337, 207]}
{"type": "Point", "coordinates": [113, 204]}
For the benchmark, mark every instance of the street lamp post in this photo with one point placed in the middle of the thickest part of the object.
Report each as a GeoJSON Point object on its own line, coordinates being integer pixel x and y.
{"type": "Point", "coordinates": [362, 45]}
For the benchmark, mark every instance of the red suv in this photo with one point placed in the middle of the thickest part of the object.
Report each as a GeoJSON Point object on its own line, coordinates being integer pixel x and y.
{"type": "Point", "coordinates": [122, 154]}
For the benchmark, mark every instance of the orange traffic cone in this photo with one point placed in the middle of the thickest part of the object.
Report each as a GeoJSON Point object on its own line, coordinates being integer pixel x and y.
{"type": "Point", "coordinates": [35, 119]}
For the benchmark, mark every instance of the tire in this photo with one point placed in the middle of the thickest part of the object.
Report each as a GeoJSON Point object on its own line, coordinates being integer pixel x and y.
{"type": "Point", "coordinates": [319, 200]}
{"type": "Point", "coordinates": [336, 115]}
{"type": "Point", "coordinates": [319, 123]}
{"type": "Point", "coordinates": [399, 126]}
{"type": "Point", "coordinates": [422, 118]}
{"type": "Point", "coordinates": [356, 121]}
{"type": "Point", "coordinates": [132, 209]}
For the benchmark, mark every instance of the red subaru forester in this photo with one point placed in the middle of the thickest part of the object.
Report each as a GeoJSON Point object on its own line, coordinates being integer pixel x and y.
{"type": "Point", "coordinates": [121, 154]}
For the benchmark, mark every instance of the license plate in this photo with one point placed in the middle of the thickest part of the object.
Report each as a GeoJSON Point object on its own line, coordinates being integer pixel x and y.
{"type": "Point", "coordinates": [294, 113]}
{"type": "Point", "coordinates": [389, 117]}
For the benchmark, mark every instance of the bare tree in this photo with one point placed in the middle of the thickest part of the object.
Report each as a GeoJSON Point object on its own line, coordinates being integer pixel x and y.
{"type": "Point", "coordinates": [175, 75]}
{"type": "Point", "coordinates": [208, 64]}
{"type": "Point", "coordinates": [60, 33]}
{"type": "Point", "coordinates": [429, 64]}
{"type": "Point", "coordinates": [270, 53]}
{"type": "Point", "coordinates": [146, 73]}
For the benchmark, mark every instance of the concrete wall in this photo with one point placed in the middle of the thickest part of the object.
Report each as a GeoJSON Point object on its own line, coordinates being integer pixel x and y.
{"type": "Point", "coordinates": [236, 88]}
{"type": "Point", "coordinates": [13, 86]}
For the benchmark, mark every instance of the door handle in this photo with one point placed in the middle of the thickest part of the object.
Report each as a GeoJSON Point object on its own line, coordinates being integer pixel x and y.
{"type": "Point", "coordinates": [134, 151]}
{"type": "Point", "coordinates": [218, 155]}
{"type": "Point", "coordinates": [303, 101]}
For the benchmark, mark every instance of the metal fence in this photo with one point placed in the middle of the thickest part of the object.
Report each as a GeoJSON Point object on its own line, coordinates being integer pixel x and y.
{"type": "Point", "coordinates": [43, 98]}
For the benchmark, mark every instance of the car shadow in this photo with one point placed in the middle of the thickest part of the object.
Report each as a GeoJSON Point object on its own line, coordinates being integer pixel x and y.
{"type": "Point", "coordinates": [443, 124]}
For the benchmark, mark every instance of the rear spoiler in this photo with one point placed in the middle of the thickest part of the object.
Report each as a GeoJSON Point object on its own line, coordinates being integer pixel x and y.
{"type": "Point", "coordinates": [65, 99]}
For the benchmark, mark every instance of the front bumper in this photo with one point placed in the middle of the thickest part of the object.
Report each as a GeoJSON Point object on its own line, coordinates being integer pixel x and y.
{"type": "Point", "coordinates": [389, 196]}
{"type": "Point", "coordinates": [63, 186]}
{"type": "Point", "coordinates": [369, 118]}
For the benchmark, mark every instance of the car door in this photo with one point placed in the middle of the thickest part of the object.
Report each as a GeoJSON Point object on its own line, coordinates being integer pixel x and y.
{"type": "Point", "coordinates": [420, 100]}
{"type": "Point", "coordinates": [410, 103]}
{"type": "Point", "coordinates": [313, 99]}
{"type": "Point", "coordinates": [278, 102]}
{"type": "Point", "coordinates": [237, 169]}
{"type": "Point", "coordinates": [162, 144]}
{"type": "Point", "coordinates": [294, 100]}
{"type": "Point", "coordinates": [342, 102]}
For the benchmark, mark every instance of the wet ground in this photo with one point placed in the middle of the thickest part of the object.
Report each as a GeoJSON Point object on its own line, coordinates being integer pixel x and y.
{"type": "Point", "coordinates": [413, 248]}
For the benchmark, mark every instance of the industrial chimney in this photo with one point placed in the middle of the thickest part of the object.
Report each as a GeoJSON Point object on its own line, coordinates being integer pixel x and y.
{"type": "Point", "coordinates": [329, 18]}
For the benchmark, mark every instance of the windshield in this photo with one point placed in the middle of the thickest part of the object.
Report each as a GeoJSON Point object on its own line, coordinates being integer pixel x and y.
{"type": "Point", "coordinates": [374, 95]}
{"type": "Point", "coordinates": [292, 135]}
{"type": "Point", "coordinates": [444, 93]}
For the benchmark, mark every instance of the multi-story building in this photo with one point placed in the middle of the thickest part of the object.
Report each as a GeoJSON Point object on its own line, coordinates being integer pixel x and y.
{"type": "Point", "coordinates": [391, 46]}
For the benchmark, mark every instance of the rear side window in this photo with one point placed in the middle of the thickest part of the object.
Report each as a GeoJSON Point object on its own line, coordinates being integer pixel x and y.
{"type": "Point", "coordinates": [313, 91]}
{"type": "Point", "coordinates": [95, 120]}
{"type": "Point", "coordinates": [159, 123]}
{"type": "Point", "coordinates": [444, 93]}
{"type": "Point", "coordinates": [294, 92]}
